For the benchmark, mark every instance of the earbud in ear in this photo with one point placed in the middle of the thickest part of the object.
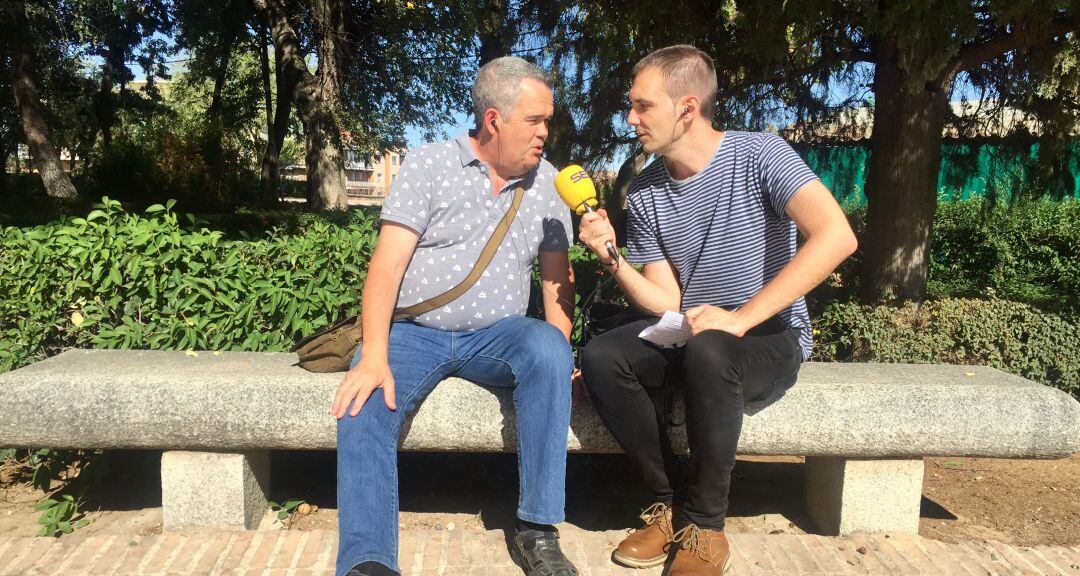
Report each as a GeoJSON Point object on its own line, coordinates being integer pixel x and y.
{"type": "Point", "coordinates": [685, 111]}
{"type": "Point", "coordinates": [494, 126]}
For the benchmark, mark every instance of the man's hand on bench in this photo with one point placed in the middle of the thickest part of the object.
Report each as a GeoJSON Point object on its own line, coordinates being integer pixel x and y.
{"type": "Point", "coordinates": [358, 384]}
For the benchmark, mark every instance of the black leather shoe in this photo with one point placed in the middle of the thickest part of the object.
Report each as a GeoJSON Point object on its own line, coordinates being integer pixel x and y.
{"type": "Point", "coordinates": [370, 569]}
{"type": "Point", "coordinates": [538, 554]}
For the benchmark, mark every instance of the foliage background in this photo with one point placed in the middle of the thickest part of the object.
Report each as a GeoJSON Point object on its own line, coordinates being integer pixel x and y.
{"type": "Point", "coordinates": [120, 280]}
{"type": "Point", "coordinates": [1006, 283]}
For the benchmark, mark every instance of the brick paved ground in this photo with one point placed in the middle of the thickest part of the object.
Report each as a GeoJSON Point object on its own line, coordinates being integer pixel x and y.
{"type": "Point", "coordinates": [468, 552]}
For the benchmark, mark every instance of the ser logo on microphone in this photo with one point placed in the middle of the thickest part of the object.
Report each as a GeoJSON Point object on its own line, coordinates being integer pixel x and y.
{"type": "Point", "coordinates": [579, 176]}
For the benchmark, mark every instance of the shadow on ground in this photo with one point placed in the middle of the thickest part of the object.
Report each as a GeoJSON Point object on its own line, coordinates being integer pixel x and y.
{"type": "Point", "coordinates": [133, 481]}
{"type": "Point", "coordinates": [1019, 502]}
{"type": "Point", "coordinates": [604, 491]}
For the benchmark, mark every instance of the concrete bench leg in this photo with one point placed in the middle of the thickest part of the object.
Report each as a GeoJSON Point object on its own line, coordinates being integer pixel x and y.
{"type": "Point", "coordinates": [214, 489]}
{"type": "Point", "coordinates": [845, 495]}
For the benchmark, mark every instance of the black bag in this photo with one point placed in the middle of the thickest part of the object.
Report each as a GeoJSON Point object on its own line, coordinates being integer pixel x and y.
{"type": "Point", "coordinates": [599, 316]}
{"type": "Point", "coordinates": [603, 316]}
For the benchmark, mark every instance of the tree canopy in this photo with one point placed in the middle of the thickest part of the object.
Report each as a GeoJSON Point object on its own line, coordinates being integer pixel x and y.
{"type": "Point", "coordinates": [809, 67]}
{"type": "Point", "coordinates": [224, 84]}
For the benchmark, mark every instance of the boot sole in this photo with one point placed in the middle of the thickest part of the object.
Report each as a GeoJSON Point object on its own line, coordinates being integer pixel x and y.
{"type": "Point", "coordinates": [727, 564]}
{"type": "Point", "coordinates": [637, 562]}
{"type": "Point", "coordinates": [518, 559]}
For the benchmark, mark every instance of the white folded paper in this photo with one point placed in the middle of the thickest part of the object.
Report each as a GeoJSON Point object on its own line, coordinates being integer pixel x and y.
{"type": "Point", "coordinates": [671, 330]}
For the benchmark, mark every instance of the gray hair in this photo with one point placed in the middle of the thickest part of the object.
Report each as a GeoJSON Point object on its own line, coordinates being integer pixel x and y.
{"type": "Point", "coordinates": [498, 83]}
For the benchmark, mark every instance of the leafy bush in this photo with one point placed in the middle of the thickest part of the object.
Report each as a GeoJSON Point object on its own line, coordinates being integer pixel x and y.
{"type": "Point", "coordinates": [158, 161]}
{"type": "Point", "coordinates": [62, 516]}
{"type": "Point", "coordinates": [1028, 252]}
{"type": "Point", "coordinates": [76, 471]}
{"type": "Point", "coordinates": [121, 280]}
{"type": "Point", "coordinates": [1011, 336]}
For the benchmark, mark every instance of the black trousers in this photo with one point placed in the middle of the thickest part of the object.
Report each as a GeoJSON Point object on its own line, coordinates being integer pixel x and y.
{"type": "Point", "coordinates": [721, 376]}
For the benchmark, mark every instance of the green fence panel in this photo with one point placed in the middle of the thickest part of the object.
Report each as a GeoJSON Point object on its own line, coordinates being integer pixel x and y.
{"type": "Point", "coordinates": [968, 170]}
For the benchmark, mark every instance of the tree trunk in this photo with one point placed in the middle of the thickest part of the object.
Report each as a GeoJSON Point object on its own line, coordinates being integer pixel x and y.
{"type": "Point", "coordinates": [324, 157]}
{"type": "Point", "coordinates": [103, 107]}
{"type": "Point", "coordinates": [496, 34]}
{"type": "Point", "coordinates": [106, 103]}
{"type": "Point", "coordinates": [620, 189]}
{"type": "Point", "coordinates": [268, 180]}
{"type": "Point", "coordinates": [5, 151]}
{"type": "Point", "coordinates": [28, 102]}
{"type": "Point", "coordinates": [285, 81]}
{"type": "Point", "coordinates": [212, 148]}
{"type": "Point", "coordinates": [214, 113]}
{"type": "Point", "coordinates": [901, 181]}
{"type": "Point", "coordinates": [324, 160]}
{"type": "Point", "coordinates": [84, 148]}
{"type": "Point", "coordinates": [315, 96]}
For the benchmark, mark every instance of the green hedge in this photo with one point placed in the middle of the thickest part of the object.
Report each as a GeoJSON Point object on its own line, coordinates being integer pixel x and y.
{"type": "Point", "coordinates": [1028, 252]}
{"type": "Point", "coordinates": [121, 280]}
{"type": "Point", "coordinates": [1012, 336]}
{"type": "Point", "coordinates": [156, 280]}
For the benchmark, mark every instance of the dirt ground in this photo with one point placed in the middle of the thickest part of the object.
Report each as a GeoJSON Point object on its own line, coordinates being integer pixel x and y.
{"type": "Point", "coordinates": [1021, 502]}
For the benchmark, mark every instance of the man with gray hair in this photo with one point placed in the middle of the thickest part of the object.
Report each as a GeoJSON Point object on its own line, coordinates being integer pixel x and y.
{"type": "Point", "coordinates": [442, 209]}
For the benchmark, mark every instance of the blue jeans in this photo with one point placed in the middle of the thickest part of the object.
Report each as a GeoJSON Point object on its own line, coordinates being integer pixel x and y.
{"type": "Point", "coordinates": [526, 354]}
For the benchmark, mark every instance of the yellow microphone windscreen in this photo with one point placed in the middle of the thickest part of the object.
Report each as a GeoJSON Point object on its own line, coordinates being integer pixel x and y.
{"type": "Point", "coordinates": [576, 188]}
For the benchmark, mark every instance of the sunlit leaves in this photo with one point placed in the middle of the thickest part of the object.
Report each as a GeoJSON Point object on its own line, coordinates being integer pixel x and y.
{"type": "Point", "coordinates": [120, 280]}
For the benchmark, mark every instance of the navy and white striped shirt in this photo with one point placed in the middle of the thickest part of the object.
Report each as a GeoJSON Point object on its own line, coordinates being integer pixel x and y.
{"type": "Point", "coordinates": [724, 229]}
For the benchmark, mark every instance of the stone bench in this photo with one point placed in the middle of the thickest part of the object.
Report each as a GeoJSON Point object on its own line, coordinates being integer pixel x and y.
{"type": "Point", "coordinates": [863, 428]}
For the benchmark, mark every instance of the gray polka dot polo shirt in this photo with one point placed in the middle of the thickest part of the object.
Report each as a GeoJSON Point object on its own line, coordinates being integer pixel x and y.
{"type": "Point", "coordinates": [443, 192]}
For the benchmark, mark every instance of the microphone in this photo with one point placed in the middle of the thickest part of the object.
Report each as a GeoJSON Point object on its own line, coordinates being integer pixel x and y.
{"type": "Point", "coordinates": [576, 188]}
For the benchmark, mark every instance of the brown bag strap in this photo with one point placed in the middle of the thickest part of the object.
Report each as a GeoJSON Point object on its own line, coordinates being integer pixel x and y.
{"type": "Point", "coordinates": [477, 270]}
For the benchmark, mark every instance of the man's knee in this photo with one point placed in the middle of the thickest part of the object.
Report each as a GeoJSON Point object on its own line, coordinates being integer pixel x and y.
{"type": "Point", "coordinates": [374, 421]}
{"type": "Point", "coordinates": [712, 352]}
{"type": "Point", "coordinates": [540, 346]}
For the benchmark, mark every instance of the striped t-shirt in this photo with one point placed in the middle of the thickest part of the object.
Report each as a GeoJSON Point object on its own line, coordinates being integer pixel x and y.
{"type": "Point", "coordinates": [724, 229]}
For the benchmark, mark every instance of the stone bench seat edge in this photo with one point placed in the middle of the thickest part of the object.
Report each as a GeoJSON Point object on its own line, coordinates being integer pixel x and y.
{"type": "Point", "coordinates": [233, 401]}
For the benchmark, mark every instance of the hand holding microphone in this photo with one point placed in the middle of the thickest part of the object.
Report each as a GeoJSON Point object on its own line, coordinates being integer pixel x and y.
{"type": "Point", "coordinates": [576, 188]}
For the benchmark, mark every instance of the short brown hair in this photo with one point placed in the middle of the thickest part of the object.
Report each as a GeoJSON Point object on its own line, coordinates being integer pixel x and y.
{"type": "Point", "coordinates": [686, 71]}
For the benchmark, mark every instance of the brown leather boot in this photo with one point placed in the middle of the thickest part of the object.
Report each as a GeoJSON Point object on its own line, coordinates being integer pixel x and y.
{"type": "Point", "coordinates": [648, 545]}
{"type": "Point", "coordinates": [700, 552]}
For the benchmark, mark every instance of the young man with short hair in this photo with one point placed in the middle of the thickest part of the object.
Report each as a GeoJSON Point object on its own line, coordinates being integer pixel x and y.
{"type": "Point", "coordinates": [713, 222]}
